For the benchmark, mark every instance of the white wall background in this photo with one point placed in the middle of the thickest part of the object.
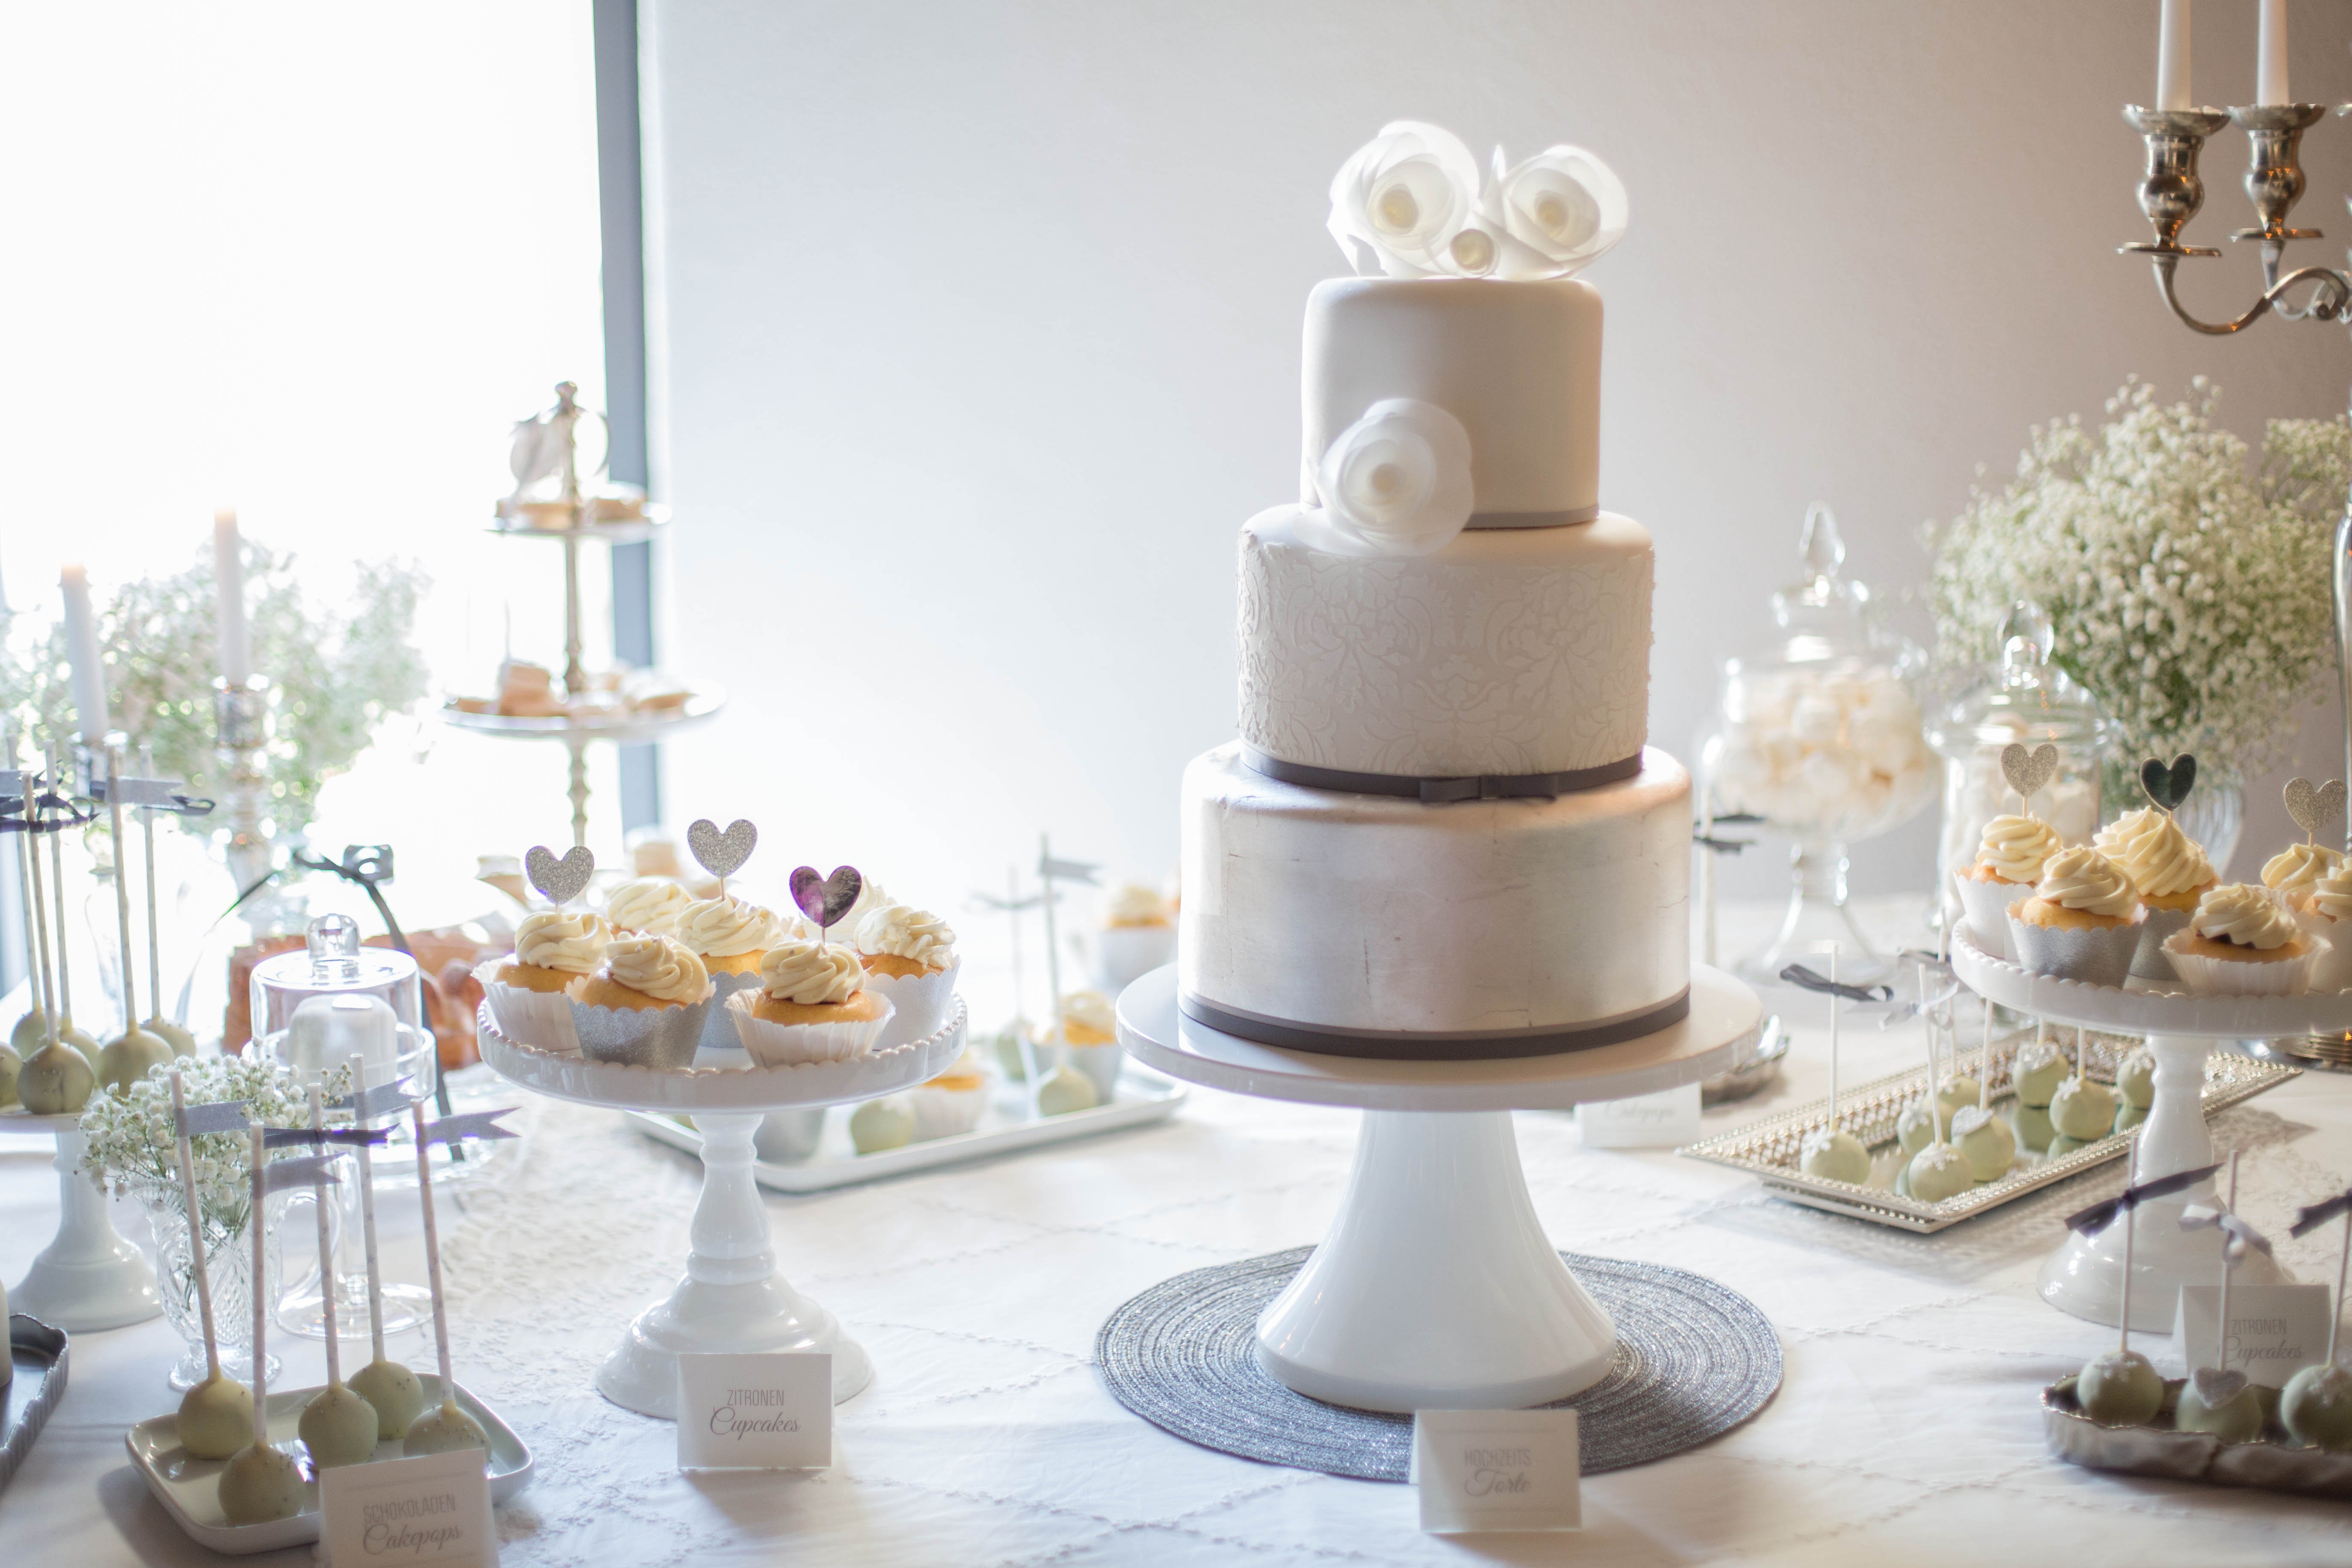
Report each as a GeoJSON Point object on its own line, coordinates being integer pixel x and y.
{"type": "Point", "coordinates": [979, 338]}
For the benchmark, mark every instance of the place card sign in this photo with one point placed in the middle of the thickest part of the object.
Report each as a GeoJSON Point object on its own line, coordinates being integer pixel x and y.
{"type": "Point", "coordinates": [432, 1510]}
{"type": "Point", "coordinates": [1663, 1120]}
{"type": "Point", "coordinates": [1495, 1470]}
{"type": "Point", "coordinates": [770, 1410]}
{"type": "Point", "coordinates": [2276, 1331]}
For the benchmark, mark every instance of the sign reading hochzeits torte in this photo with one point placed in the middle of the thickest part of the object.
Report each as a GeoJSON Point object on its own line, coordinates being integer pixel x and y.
{"type": "Point", "coordinates": [1440, 833]}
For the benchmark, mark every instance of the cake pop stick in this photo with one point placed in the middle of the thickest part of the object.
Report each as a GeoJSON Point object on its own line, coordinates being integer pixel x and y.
{"type": "Point", "coordinates": [337, 1426]}
{"type": "Point", "coordinates": [2315, 1406]}
{"type": "Point", "coordinates": [2217, 1399]}
{"type": "Point", "coordinates": [170, 1032]}
{"type": "Point", "coordinates": [28, 1034]}
{"type": "Point", "coordinates": [447, 1427]}
{"type": "Point", "coordinates": [1830, 1152]}
{"type": "Point", "coordinates": [259, 1227]}
{"type": "Point", "coordinates": [215, 1414]}
{"type": "Point", "coordinates": [57, 891]}
{"type": "Point", "coordinates": [383, 1383]}
{"type": "Point", "coordinates": [130, 1056]}
{"type": "Point", "coordinates": [260, 1483]}
{"type": "Point", "coordinates": [58, 1078]}
{"type": "Point", "coordinates": [2120, 1387]}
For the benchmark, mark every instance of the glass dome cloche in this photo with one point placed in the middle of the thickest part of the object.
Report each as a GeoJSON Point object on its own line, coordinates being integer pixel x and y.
{"type": "Point", "coordinates": [2027, 700]}
{"type": "Point", "coordinates": [1819, 739]}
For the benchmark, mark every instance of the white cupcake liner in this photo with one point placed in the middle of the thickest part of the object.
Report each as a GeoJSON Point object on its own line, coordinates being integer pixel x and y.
{"type": "Point", "coordinates": [661, 1038]}
{"type": "Point", "coordinates": [788, 1045]}
{"type": "Point", "coordinates": [2205, 975]}
{"type": "Point", "coordinates": [924, 1003]}
{"type": "Point", "coordinates": [2331, 971]}
{"type": "Point", "coordinates": [2100, 956]}
{"type": "Point", "coordinates": [944, 1113]}
{"type": "Point", "coordinates": [2149, 961]}
{"type": "Point", "coordinates": [537, 1018]}
{"type": "Point", "coordinates": [1986, 904]}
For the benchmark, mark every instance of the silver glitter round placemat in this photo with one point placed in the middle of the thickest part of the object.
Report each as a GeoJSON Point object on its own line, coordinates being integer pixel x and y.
{"type": "Point", "coordinates": [1693, 1360]}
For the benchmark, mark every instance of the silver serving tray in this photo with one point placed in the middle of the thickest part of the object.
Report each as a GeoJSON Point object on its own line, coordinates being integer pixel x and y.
{"type": "Point", "coordinates": [189, 1489]}
{"type": "Point", "coordinates": [36, 1355]}
{"type": "Point", "coordinates": [1143, 1097]}
{"type": "Point", "coordinates": [1770, 1149]}
{"type": "Point", "coordinates": [2274, 1461]}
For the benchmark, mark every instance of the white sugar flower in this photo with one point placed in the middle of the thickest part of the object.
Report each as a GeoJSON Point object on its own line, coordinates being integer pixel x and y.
{"type": "Point", "coordinates": [1396, 482]}
{"type": "Point", "coordinates": [1398, 204]}
{"type": "Point", "coordinates": [1551, 216]}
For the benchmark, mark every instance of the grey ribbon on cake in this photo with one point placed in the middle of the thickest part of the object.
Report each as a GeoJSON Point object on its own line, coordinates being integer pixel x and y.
{"type": "Point", "coordinates": [1414, 1046]}
{"type": "Point", "coordinates": [1443, 791]}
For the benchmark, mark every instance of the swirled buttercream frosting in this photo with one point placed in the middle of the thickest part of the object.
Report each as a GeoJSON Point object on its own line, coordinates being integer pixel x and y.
{"type": "Point", "coordinates": [657, 966]}
{"type": "Point", "coordinates": [911, 933]}
{"type": "Point", "coordinates": [809, 972]}
{"type": "Point", "coordinates": [725, 925]}
{"type": "Point", "coordinates": [2016, 847]}
{"type": "Point", "coordinates": [2081, 879]}
{"type": "Point", "coordinates": [2161, 859]}
{"type": "Point", "coordinates": [1089, 1010]}
{"type": "Point", "coordinates": [570, 940]}
{"type": "Point", "coordinates": [2244, 914]}
{"type": "Point", "coordinates": [2294, 870]}
{"type": "Point", "coordinates": [650, 904]}
{"type": "Point", "coordinates": [2331, 896]}
{"type": "Point", "coordinates": [1133, 904]}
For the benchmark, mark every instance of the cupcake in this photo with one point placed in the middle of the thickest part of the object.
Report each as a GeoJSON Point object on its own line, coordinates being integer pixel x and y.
{"type": "Point", "coordinates": [1139, 935]}
{"type": "Point", "coordinates": [951, 1102]}
{"type": "Point", "coordinates": [2083, 921]}
{"type": "Point", "coordinates": [526, 990]}
{"type": "Point", "coordinates": [2240, 942]}
{"type": "Point", "coordinates": [812, 1004]}
{"type": "Point", "coordinates": [2326, 913]}
{"type": "Point", "coordinates": [731, 936]}
{"type": "Point", "coordinates": [648, 906]}
{"type": "Point", "coordinates": [2167, 870]}
{"type": "Point", "coordinates": [1090, 1031]}
{"type": "Point", "coordinates": [645, 1008]}
{"type": "Point", "coordinates": [910, 956]}
{"type": "Point", "coordinates": [2293, 871]}
{"type": "Point", "coordinates": [2010, 858]}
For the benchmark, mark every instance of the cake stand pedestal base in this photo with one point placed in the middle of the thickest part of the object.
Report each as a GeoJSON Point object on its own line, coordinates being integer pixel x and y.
{"type": "Point", "coordinates": [731, 1301]}
{"type": "Point", "coordinates": [1435, 1288]}
{"type": "Point", "coordinates": [89, 1278]}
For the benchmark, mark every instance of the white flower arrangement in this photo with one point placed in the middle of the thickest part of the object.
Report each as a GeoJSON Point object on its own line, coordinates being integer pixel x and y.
{"type": "Point", "coordinates": [1409, 205]}
{"type": "Point", "coordinates": [132, 1147]}
{"type": "Point", "coordinates": [2190, 596]}
{"type": "Point", "coordinates": [1396, 482]}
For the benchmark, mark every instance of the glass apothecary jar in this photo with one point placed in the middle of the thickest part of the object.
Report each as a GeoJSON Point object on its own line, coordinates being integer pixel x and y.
{"type": "Point", "coordinates": [1819, 739]}
{"type": "Point", "coordinates": [2025, 701]}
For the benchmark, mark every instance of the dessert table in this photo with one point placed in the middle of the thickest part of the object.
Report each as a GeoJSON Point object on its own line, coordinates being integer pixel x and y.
{"type": "Point", "coordinates": [1907, 1427]}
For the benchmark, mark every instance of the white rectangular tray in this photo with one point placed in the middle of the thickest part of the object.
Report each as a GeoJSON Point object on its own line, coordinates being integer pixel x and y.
{"type": "Point", "coordinates": [189, 1489]}
{"type": "Point", "coordinates": [1144, 1096]}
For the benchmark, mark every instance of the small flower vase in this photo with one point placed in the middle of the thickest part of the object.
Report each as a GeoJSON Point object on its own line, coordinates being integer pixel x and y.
{"type": "Point", "coordinates": [228, 1266]}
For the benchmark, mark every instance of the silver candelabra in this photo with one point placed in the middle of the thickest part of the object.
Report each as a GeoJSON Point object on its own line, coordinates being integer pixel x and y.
{"type": "Point", "coordinates": [2170, 192]}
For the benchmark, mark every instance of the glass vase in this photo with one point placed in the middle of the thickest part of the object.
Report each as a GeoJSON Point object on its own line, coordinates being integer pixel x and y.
{"type": "Point", "coordinates": [229, 1268]}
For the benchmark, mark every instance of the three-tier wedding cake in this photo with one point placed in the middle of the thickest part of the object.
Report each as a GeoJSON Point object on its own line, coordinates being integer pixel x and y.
{"type": "Point", "coordinates": [1441, 834]}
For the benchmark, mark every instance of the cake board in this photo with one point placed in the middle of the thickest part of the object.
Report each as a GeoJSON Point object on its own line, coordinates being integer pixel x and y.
{"type": "Point", "coordinates": [1435, 1286]}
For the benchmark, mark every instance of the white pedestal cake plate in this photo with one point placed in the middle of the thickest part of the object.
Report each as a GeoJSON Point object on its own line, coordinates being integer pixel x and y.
{"type": "Point", "coordinates": [732, 1299]}
{"type": "Point", "coordinates": [88, 1277]}
{"type": "Point", "coordinates": [1435, 1286]}
{"type": "Point", "coordinates": [2084, 1276]}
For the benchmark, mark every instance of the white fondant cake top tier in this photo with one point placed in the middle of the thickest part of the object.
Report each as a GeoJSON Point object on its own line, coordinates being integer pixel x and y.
{"type": "Point", "coordinates": [1509, 651]}
{"type": "Point", "coordinates": [1518, 364]}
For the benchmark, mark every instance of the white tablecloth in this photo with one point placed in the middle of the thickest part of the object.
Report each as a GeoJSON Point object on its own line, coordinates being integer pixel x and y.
{"type": "Point", "coordinates": [1907, 1430]}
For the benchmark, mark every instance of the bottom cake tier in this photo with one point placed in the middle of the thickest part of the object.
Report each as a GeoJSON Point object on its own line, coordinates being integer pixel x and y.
{"type": "Point", "coordinates": [1376, 925]}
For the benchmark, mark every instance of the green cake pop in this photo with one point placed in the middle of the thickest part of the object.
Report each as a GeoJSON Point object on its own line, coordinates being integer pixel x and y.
{"type": "Point", "coordinates": [1984, 1141]}
{"type": "Point", "coordinates": [32, 1030]}
{"type": "Point", "coordinates": [2037, 1070]}
{"type": "Point", "coordinates": [2135, 1080]}
{"type": "Point", "coordinates": [2031, 1125]}
{"type": "Point", "coordinates": [216, 1415]}
{"type": "Point", "coordinates": [1914, 1129]}
{"type": "Point", "coordinates": [879, 1124]}
{"type": "Point", "coordinates": [2082, 1108]}
{"type": "Point", "coordinates": [125, 1059]}
{"type": "Point", "coordinates": [57, 1081]}
{"type": "Point", "coordinates": [11, 1064]}
{"type": "Point", "coordinates": [1830, 1152]}
{"type": "Point", "coordinates": [1066, 1089]}
{"type": "Point", "coordinates": [2317, 1404]}
{"type": "Point", "coordinates": [2119, 1388]}
{"type": "Point", "coordinates": [1938, 1171]}
{"type": "Point", "coordinates": [337, 1426]}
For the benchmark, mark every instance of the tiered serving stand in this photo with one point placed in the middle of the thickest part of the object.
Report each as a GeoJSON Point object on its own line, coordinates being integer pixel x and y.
{"type": "Point", "coordinates": [732, 1299]}
{"type": "Point", "coordinates": [2084, 1276]}
{"type": "Point", "coordinates": [1435, 1286]}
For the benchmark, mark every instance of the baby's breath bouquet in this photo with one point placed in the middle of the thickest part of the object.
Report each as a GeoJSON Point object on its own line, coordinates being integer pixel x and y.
{"type": "Point", "coordinates": [2189, 593]}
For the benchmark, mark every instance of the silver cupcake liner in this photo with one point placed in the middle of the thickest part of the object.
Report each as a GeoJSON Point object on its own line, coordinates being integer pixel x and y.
{"type": "Point", "coordinates": [2096, 956]}
{"type": "Point", "coordinates": [2150, 961]}
{"type": "Point", "coordinates": [719, 1031]}
{"type": "Point", "coordinates": [661, 1037]}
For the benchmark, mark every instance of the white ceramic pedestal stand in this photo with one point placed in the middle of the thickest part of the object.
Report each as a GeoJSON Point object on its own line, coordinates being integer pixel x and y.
{"type": "Point", "coordinates": [1437, 1288]}
{"type": "Point", "coordinates": [732, 1299]}
{"type": "Point", "coordinates": [2084, 1276]}
{"type": "Point", "coordinates": [88, 1277]}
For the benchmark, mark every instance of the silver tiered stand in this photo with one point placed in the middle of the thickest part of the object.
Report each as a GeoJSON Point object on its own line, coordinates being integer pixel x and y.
{"type": "Point", "coordinates": [732, 1300]}
{"type": "Point", "coordinates": [1435, 1286]}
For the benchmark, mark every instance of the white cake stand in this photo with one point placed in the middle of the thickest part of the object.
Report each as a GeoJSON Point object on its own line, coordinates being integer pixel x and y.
{"type": "Point", "coordinates": [88, 1277]}
{"type": "Point", "coordinates": [2084, 1276]}
{"type": "Point", "coordinates": [1437, 1288]}
{"type": "Point", "coordinates": [732, 1299]}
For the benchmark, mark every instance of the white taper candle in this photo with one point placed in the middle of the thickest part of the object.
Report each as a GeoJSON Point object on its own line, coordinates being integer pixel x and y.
{"type": "Point", "coordinates": [2172, 56]}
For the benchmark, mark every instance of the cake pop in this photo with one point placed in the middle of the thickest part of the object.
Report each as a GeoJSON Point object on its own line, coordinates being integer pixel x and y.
{"type": "Point", "coordinates": [2217, 1399]}
{"type": "Point", "coordinates": [2315, 1406]}
{"type": "Point", "coordinates": [1938, 1171]}
{"type": "Point", "coordinates": [398, 1398]}
{"type": "Point", "coordinates": [1830, 1152]}
{"type": "Point", "coordinates": [2082, 1109]}
{"type": "Point", "coordinates": [444, 1428]}
{"type": "Point", "coordinates": [58, 1081]}
{"type": "Point", "coordinates": [216, 1414]}
{"type": "Point", "coordinates": [11, 1064]}
{"type": "Point", "coordinates": [2039, 1067]}
{"type": "Point", "coordinates": [337, 1426]}
{"type": "Point", "coordinates": [1066, 1089]}
{"type": "Point", "coordinates": [261, 1482]}
{"type": "Point", "coordinates": [884, 1124]}
{"type": "Point", "coordinates": [1983, 1139]}
{"type": "Point", "coordinates": [2120, 1387]}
